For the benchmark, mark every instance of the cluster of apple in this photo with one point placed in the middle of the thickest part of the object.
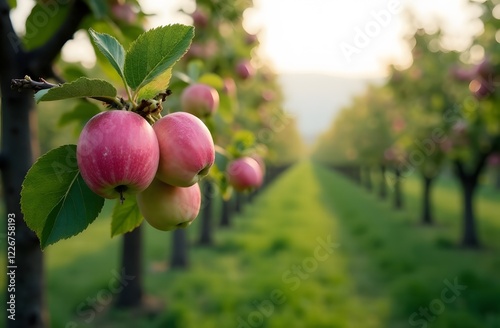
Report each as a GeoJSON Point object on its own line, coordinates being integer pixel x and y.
{"type": "Point", "coordinates": [120, 154]}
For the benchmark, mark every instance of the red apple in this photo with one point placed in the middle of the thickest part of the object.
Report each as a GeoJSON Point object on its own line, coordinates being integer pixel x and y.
{"type": "Point", "coordinates": [117, 153]}
{"type": "Point", "coordinates": [244, 174]}
{"type": "Point", "coordinates": [166, 207]}
{"type": "Point", "coordinates": [244, 69]}
{"type": "Point", "coordinates": [186, 149]}
{"type": "Point", "coordinates": [200, 100]}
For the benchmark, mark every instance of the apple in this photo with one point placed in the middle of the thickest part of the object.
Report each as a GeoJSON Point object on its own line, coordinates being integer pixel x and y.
{"type": "Point", "coordinates": [484, 69]}
{"type": "Point", "coordinates": [462, 74]}
{"type": "Point", "coordinates": [481, 88]}
{"type": "Point", "coordinates": [244, 174]}
{"type": "Point", "coordinates": [200, 19]}
{"type": "Point", "coordinates": [186, 149]}
{"type": "Point", "coordinates": [251, 39]}
{"type": "Point", "coordinates": [124, 12]}
{"type": "Point", "coordinates": [261, 163]}
{"type": "Point", "coordinates": [244, 69]}
{"type": "Point", "coordinates": [229, 87]}
{"type": "Point", "coordinates": [166, 207]}
{"type": "Point", "coordinates": [117, 153]}
{"type": "Point", "coordinates": [200, 100]}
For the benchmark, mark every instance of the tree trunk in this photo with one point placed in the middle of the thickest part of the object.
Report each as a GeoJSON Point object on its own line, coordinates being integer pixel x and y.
{"type": "Point", "coordinates": [469, 237]}
{"type": "Point", "coordinates": [398, 193]}
{"type": "Point", "coordinates": [225, 214]}
{"type": "Point", "coordinates": [383, 185]}
{"type": "Point", "coordinates": [468, 181]}
{"type": "Point", "coordinates": [18, 126]}
{"type": "Point", "coordinates": [237, 202]}
{"type": "Point", "coordinates": [20, 148]}
{"type": "Point", "coordinates": [368, 179]}
{"type": "Point", "coordinates": [179, 255]}
{"type": "Point", "coordinates": [427, 201]}
{"type": "Point", "coordinates": [206, 215]}
{"type": "Point", "coordinates": [131, 270]}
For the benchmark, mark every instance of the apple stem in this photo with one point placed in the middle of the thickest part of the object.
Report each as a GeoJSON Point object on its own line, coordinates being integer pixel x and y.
{"type": "Point", "coordinates": [121, 189]}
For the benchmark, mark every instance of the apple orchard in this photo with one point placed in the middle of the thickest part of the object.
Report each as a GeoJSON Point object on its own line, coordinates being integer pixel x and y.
{"type": "Point", "coordinates": [169, 122]}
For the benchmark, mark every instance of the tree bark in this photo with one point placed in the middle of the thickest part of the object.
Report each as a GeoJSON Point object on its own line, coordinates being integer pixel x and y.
{"type": "Point", "coordinates": [132, 294]}
{"type": "Point", "coordinates": [398, 193]}
{"type": "Point", "coordinates": [468, 181]}
{"type": "Point", "coordinates": [237, 202]}
{"type": "Point", "coordinates": [206, 215]}
{"type": "Point", "coordinates": [20, 148]}
{"type": "Point", "coordinates": [383, 185]}
{"type": "Point", "coordinates": [368, 179]}
{"type": "Point", "coordinates": [225, 220]}
{"type": "Point", "coordinates": [179, 257]}
{"type": "Point", "coordinates": [469, 237]}
{"type": "Point", "coordinates": [427, 218]}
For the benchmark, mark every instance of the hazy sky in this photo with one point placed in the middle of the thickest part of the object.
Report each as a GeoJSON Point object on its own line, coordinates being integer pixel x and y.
{"type": "Point", "coordinates": [355, 37]}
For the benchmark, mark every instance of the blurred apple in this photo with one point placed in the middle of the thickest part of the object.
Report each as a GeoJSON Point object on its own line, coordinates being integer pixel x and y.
{"type": "Point", "coordinates": [244, 174]}
{"type": "Point", "coordinates": [200, 100]}
{"type": "Point", "coordinates": [244, 69]}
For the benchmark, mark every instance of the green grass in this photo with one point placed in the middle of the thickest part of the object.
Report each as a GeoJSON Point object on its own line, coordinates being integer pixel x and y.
{"type": "Point", "coordinates": [383, 268]}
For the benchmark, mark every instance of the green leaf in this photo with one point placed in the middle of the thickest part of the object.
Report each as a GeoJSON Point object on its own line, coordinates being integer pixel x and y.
{"type": "Point", "coordinates": [111, 49]}
{"type": "Point", "coordinates": [154, 52]}
{"type": "Point", "coordinates": [82, 87]}
{"type": "Point", "coordinates": [43, 21]}
{"type": "Point", "coordinates": [126, 217]}
{"type": "Point", "coordinates": [12, 4]}
{"type": "Point", "coordinates": [194, 69]}
{"type": "Point", "coordinates": [80, 114]}
{"type": "Point", "coordinates": [213, 80]}
{"type": "Point", "coordinates": [159, 84]}
{"type": "Point", "coordinates": [55, 201]}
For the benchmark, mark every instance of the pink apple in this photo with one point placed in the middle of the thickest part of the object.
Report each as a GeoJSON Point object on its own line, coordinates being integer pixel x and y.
{"type": "Point", "coordinates": [229, 87]}
{"type": "Point", "coordinates": [186, 149]}
{"type": "Point", "coordinates": [462, 74]}
{"type": "Point", "coordinates": [251, 39]}
{"type": "Point", "coordinates": [261, 163]}
{"type": "Point", "coordinates": [166, 207]}
{"type": "Point", "coordinates": [200, 19]}
{"type": "Point", "coordinates": [200, 100]}
{"type": "Point", "coordinates": [124, 12]}
{"type": "Point", "coordinates": [117, 153]}
{"type": "Point", "coordinates": [244, 69]}
{"type": "Point", "coordinates": [244, 174]}
{"type": "Point", "coordinates": [485, 69]}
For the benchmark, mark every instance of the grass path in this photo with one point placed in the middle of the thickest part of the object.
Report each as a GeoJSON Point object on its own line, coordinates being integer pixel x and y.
{"type": "Point", "coordinates": [313, 250]}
